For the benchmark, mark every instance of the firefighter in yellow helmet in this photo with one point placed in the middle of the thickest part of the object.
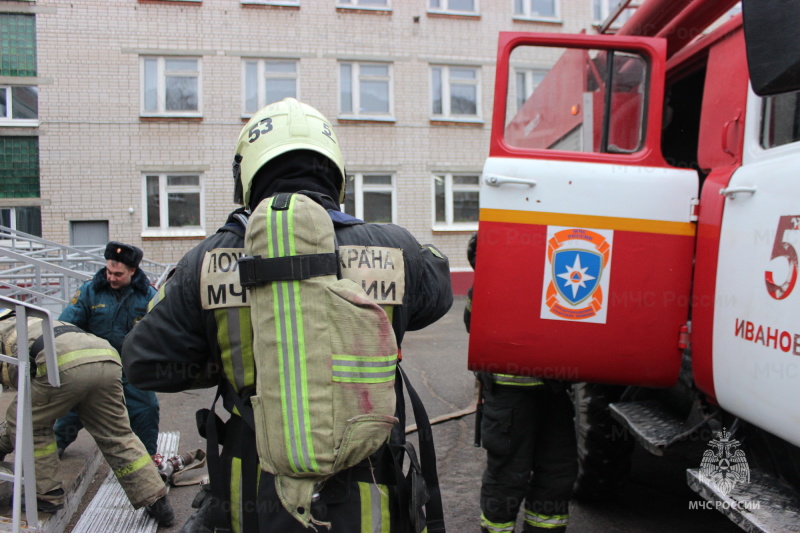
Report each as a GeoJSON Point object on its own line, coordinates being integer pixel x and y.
{"type": "Point", "coordinates": [198, 333]}
{"type": "Point", "coordinates": [90, 372]}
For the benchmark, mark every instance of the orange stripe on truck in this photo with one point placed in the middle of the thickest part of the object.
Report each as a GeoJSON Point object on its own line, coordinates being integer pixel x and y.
{"type": "Point", "coordinates": [640, 225]}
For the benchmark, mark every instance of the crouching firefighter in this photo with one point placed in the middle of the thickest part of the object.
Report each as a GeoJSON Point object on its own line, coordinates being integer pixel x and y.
{"type": "Point", "coordinates": [296, 313]}
{"type": "Point", "coordinates": [91, 383]}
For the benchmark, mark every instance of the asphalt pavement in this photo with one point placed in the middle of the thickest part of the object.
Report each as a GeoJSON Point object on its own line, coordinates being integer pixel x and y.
{"type": "Point", "coordinates": [656, 498]}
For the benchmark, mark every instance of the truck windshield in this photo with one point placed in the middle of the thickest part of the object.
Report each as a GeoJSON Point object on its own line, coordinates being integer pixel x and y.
{"type": "Point", "coordinates": [576, 99]}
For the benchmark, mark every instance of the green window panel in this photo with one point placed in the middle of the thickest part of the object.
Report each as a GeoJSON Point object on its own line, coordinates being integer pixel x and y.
{"type": "Point", "coordinates": [19, 167]}
{"type": "Point", "coordinates": [17, 45]}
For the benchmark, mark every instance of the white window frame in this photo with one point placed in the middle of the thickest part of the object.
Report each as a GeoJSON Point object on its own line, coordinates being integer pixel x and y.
{"type": "Point", "coordinates": [444, 7]}
{"type": "Point", "coordinates": [361, 188]}
{"type": "Point", "coordinates": [161, 98]}
{"type": "Point", "coordinates": [606, 8]}
{"type": "Point", "coordinates": [263, 77]}
{"type": "Point", "coordinates": [289, 3]}
{"type": "Point", "coordinates": [530, 83]}
{"type": "Point", "coordinates": [449, 188]}
{"type": "Point", "coordinates": [8, 119]}
{"type": "Point", "coordinates": [528, 14]}
{"type": "Point", "coordinates": [356, 4]}
{"type": "Point", "coordinates": [163, 193]}
{"type": "Point", "coordinates": [447, 83]}
{"type": "Point", "coordinates": [355, 85]}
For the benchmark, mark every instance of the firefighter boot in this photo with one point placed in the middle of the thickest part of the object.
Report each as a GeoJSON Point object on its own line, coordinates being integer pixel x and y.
{"type": "Point", "coordinates": [51, 501]}
{"type": "Point", "coordinates": [162, 511]}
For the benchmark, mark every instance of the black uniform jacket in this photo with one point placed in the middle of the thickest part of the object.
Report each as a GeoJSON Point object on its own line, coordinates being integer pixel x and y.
{"type": "Point", "coordinates": [174, 347]}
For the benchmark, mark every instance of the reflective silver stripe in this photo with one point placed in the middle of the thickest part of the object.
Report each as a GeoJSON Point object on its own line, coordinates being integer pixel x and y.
{"type": "Point", "coordinates": [363, 369]}
{"type": "Point", "coordinates": [295, 398]}
{"type": "Point", "coordinates": [235, 344]}
{"type": "Point", "coordinates": [546, 521]}
{"type": "Point", "coordinates": [496, 527]}
{"type": "Point", "coordinates": [508, 379]}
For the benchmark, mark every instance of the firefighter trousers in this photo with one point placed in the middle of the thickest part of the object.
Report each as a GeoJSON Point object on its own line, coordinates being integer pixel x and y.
{"type": "Point", "coordinates": [529, 436]}
{"type": "Point", "coordinates": [94, 390]}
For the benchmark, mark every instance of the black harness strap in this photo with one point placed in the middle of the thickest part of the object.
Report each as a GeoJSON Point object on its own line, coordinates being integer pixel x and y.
{"type": "Point", "coordinates": [255, 271]}
{"type": "Point", "coordinates": [219, 516]}
{"type": "Point", "coordinates": [434, 511]}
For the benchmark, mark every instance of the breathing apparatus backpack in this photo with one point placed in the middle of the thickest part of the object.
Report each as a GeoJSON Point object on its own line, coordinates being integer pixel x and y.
{"type": "Point", "coordinates": [325, 353]}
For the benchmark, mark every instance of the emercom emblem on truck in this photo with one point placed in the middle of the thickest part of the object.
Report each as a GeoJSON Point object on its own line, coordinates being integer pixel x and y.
{"type": "Point", "coordinates": [574, 281]}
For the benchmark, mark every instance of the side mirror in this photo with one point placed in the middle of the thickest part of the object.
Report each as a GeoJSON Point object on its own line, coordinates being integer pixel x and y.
{"type": "Point", "coordinates": [773, 45]}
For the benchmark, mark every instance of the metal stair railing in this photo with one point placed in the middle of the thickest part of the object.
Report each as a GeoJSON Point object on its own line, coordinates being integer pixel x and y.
{"type": "Point", "coordinates": [45, 273]}
{"type": "Point", "coordinates": [24, 469]}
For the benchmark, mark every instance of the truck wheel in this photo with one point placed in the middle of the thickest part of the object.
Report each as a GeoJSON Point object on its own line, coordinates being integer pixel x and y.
{"type": "Point", "coordinates": [604, 446]}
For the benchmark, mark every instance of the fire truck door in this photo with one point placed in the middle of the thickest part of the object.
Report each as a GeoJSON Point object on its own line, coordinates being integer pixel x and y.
{"type": "Point", "coordinates": [756, 330]}
{"type": "Point", "coordinates": [586, 235]}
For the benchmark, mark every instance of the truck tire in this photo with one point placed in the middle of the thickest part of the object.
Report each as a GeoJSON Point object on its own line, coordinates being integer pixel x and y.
{"type": "Point", "coordinates": [604, 446]}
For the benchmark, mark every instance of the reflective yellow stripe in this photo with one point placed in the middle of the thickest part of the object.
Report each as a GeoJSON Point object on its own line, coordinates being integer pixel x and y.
{"type": "Point", "coordinates": [638, 225]}
{"type": "Point", "coordinates": [63, 359]}
{"type": "Point", "coordinates": [157, 298]}
{"type": "Point", "coordinates": [138, 464]}
{"type": "Point", "coordinates": [546, 521]}
{"type": "Point", "coordinates": [374, 508]}
{"type": "Point", "coordinates": [47, 450]}
{"type": "Point", "coordinates": [236, 494]}
{"type": "Point", "coordinates": [496, 527]}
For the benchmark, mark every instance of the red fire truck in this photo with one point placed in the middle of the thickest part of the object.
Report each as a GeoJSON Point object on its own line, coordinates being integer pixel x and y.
{"type": "Point", "coordinates": [639, 235]}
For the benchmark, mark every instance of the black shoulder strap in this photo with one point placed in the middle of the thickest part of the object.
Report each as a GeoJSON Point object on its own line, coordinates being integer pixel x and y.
{"type": "Point", "coordinates": [434, 512]}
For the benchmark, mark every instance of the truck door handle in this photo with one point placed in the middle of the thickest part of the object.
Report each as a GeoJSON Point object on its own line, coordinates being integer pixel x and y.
{"type": "Point", "coordinates": [496, 181]}
{"type": "Point", "coordinates": [731, 192]}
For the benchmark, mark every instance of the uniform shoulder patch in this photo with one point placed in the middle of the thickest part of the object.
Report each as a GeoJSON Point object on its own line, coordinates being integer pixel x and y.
{"type": "Point", "coordinates": [380, 271]}
{"type": "Point", "coordinates": [219, 279]}
{"type": "Point", "coordinates": [75, 297]}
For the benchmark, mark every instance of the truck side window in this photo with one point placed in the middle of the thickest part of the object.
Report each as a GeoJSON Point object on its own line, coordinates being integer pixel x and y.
{"type": "Point", "coordinates": [780, 119]}
{"type": "Point", "coordinates": [589, 100]}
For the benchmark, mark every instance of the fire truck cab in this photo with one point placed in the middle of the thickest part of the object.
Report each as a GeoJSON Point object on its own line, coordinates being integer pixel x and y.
{"type": "Point", "coordinates": [639, 234]}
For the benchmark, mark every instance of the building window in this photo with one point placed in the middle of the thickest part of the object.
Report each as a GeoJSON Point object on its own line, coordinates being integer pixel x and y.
{"type": "Point", "coordinates": [267, 81]}
{"type": "Point", "coordinates": [602, 9]}
{"type": "Point", "coordinates": [365, 90]}
{"type": "Point", "coordinates": [369, 4]}
{"type": "Point", "coordinates": [456, 7]}
{"type": "Point", "coordinates": [527, 80]}
{"type": "Point", "coordinates": [19, 167]}
{"type": "Point", "coordinates": [19, 106]}
{"type": "Point", "coordinates": [273, 2]}
{"type": "Point", "coordinates": [455, 92]}
{"type": "Point", "coordinates": [370, 197]}
{"type": "Point", "coordinates": [171, 86]}
{"type": "Point", "coordinates": [17, 45]}
{"type": "Point", "coordinates": [24, 219]}
{"type": "Point", "coordinates": [173, 205]}
{"type": "Point", "coordinates": [455, 198]}
{"type": "Point", "coordinates": [536, 9]}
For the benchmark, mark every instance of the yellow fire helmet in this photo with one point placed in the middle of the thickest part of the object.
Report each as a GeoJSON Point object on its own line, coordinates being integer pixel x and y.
{"type": "Point", "coordinates": [276, 129]}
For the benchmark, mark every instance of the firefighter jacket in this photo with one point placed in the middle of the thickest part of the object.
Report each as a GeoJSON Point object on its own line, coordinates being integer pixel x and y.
{"type": "Point", "coordinates": [198, 328]}
{"type": "Point", "coordinates": [106, 312]}
{"type": "Point", "coordinates": [81, 348]}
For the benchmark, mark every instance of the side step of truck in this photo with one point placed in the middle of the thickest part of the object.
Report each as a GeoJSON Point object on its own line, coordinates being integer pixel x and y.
{"type": "Point", "coordinates": [762, 505]}
{"type": "Point", "coordinates": [654, 427]}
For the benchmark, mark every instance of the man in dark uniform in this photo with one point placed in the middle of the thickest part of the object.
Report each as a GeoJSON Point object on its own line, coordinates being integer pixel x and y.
{"type": "Point", "coordinates": [109, 305]}
{"type": "Point", "coordinates": [531, 451]}
{"type": "Point", "coordinates": [198, 331]}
